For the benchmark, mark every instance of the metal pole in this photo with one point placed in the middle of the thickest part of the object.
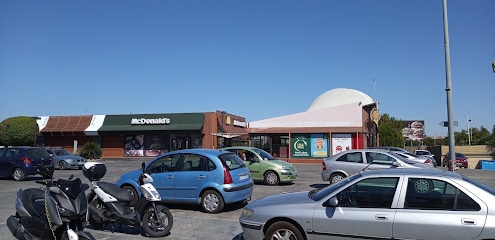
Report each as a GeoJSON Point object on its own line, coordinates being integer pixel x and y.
{"type": "Point", "coordinates": [448, 89]}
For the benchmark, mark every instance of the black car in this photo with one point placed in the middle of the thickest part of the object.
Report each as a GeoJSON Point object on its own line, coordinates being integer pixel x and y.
{"type": "Point", "coordinates": [19, 162]}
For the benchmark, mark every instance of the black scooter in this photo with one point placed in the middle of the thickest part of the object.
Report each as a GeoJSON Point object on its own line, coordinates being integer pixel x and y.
{"type": "Point", "coordinates": [59, 210]}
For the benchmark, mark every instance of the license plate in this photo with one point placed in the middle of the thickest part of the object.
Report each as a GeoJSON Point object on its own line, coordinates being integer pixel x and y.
{"type": "Point", "coordinates": [243, 177]}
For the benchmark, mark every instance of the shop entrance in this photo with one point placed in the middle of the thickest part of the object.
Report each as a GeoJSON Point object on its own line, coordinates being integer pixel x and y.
{"type": "Point", "coordinates": [180, 141]}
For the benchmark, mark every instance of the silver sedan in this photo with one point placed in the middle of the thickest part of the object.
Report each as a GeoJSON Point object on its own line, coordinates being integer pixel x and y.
{"type": "Point", "coordinates": [344, 164]}
{"type": "Point", "coordinates": [395, 203]}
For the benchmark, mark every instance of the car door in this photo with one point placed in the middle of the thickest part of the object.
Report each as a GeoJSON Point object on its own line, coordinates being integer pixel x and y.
{"type": "Point", "coordinates": [191, 176]}
{"type": "Point", "coordinates": [5, 166]}
{"type": "Point", "coordinates": [163, 171]}
{"type": "Point", "coordinates": [364, 211]}
{"type": "Point", "coordinates": [438, 209]}
{"type": "Point", "coordinates": [255, 165]}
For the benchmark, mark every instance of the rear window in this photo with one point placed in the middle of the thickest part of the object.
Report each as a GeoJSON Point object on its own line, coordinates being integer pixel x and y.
{"type": "Point", "coordinates": [231, 161]}
{"type": "Point", "coordinates": [37, 153]}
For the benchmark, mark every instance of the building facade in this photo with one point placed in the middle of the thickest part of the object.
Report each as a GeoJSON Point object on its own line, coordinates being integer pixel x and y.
{"type": "Point", "coordinates": [143, 135]}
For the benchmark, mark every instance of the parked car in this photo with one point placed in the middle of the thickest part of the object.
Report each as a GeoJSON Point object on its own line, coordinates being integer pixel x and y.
{"type": "Point", "coordinates": [383, 204]}
{"type": "Point", "coordinates": [264, 167]}
{"type": "Point", "coordinates": [347, 163]}
{"type": "Point", "coordinates": [423, 153]}
{"type": "Point", "coordinates": [421, 159]}
{"type": "Point", "coordinates": [65, 160]}
{"type": "Point", "coordinates": [389, 148]}
{"type": "Point", "coordinates": [20, 162]}
{"type": "Point", "coordinates": [209, 177]}
{"type": "Point", "coordinates": [460, 159]}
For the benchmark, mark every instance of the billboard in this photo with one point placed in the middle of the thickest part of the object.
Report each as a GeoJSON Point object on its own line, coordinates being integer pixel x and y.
{"type": "Point", "coordinates": [413, 130]}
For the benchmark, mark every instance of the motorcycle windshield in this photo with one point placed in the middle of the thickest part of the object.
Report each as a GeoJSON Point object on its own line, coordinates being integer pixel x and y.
{"type": "Point", "coordinates": [72, 188]}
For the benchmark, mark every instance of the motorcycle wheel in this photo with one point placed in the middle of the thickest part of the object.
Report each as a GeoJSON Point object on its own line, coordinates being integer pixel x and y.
{"type": "Point", "coordinates": [161, 227]}
{"type": "Point", "coordinates": [94, 220]}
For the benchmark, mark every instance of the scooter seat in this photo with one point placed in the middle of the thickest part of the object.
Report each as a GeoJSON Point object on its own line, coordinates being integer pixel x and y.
{"type": "Point", "coordinates": [33, 200]}
{"type": "Point", "coordinates": [120, 194]}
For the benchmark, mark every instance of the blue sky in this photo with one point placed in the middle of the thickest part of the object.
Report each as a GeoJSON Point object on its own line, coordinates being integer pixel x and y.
{"type": "Point", "coordinates": [257, 59]}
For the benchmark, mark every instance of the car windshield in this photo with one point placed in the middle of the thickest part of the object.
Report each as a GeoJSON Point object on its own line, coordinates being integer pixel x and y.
{"type": "Point", "coordinates": [61, 152]}
{"type": "Point", "coordinates": [265, 155]}
{"type": "Point", "coordinates": [37, 153]}
{"type": "Point", "coordinates": [320, 193]}
{"type": "Point", "coordinates": [231, 161]}
{"type": "Point", "coordinates": [402, 158]}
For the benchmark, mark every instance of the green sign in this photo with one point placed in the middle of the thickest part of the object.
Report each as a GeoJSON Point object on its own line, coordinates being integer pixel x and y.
{"type": "Point", "coordinates": [300, 146]}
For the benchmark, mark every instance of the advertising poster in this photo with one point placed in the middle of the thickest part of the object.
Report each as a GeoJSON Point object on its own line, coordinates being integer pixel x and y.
{"type": "Point", "coordinates": [154, 145]}
{"type": "Point", "coordinates": [413, 130]}
{"type": "Point", "coordinates": [300, 145]}
{"type": "Point", "coordinates": [341, 142]}
{"type": "Point", "coordinates": [319, 145]}
{"type": "Point", "coordinates": [133, 146]}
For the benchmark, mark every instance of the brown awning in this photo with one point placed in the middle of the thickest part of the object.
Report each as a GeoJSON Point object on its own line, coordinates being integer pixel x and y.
{"type": "Point", "coordinates": [231, 131]}
{"type": "Point", "coordinates": [66, 125]}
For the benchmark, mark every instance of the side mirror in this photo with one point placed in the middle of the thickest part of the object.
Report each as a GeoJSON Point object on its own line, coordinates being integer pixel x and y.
{"type": "Point", "coordinates": [332, 202]}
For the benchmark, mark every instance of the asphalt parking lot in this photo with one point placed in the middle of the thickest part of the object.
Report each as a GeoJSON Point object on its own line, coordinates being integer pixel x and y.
{"type": "Point", "coordinates": [189, 221]}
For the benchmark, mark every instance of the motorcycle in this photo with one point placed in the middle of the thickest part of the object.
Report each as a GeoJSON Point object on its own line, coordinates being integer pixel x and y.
{"type": "Point", "coordinates": [58, 210]}
{"type": "Point", "coordinates": [109, 204]}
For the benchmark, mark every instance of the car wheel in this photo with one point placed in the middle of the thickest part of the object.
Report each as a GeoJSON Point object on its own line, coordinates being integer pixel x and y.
{"type": "Point", "coordinates": [211, 202]}
{"type": "Point", "coordinates": [18, 174]}
{"type": "Point", "coordinates": [271, 178]}
{"type": "Point", "coordinates": [336, 177]}
{"type": "Point", "coordinates": [62, 165]}
{"type": "Point", "coordinates": [134, 194]}
{"type": "Point", "coordinates": [283, 230]}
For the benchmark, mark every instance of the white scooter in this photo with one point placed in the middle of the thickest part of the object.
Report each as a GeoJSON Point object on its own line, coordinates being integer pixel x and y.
{"type": "Point", "coordinates": [108, 204]}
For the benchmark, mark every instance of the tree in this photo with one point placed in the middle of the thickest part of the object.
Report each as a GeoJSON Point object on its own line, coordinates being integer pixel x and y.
{"type": "Point", "coordinates": [17, 131]}
{"type": "Point", "coordinates": [390, 131]}
{"type": "Point", "coordinates": [490, 144]}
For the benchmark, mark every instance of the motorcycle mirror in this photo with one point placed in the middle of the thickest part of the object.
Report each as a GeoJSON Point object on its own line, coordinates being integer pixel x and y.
{"type": "Point", "coordinates": [142, 165]}
{"type": "Point", "coordinates": [71, 176]}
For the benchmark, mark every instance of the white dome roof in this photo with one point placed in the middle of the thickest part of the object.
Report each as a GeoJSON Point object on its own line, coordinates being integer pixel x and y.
{"type": "Point", "coordinates": [339, 96]}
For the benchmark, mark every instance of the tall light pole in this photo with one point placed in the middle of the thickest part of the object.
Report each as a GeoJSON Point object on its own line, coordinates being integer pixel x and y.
{"type": "Point", "coordinates": [448, 88]}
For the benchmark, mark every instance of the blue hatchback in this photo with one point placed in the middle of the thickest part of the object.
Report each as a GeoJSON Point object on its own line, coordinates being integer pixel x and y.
{"type": "Point", "coordinates": [20, 162]}
{"type": "Point", "coordinates": [209, 177]}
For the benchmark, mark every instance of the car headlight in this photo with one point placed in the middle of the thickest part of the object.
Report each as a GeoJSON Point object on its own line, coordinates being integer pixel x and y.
{"type": "Point", "coordinates": [246, 213]}
{"type": "Point", "coordinates": [68, 160]}
{"type": "Point", "coordinates": [283, 167]}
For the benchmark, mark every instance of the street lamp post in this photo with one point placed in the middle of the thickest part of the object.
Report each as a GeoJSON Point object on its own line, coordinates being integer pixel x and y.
{"type": "Point", "coordinates": [448, 89]}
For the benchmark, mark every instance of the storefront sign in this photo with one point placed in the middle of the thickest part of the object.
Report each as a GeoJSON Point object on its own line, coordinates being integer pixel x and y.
{"type": "Point", "coordinates": [341, 142]}
{"type": "Point", "coordinates": [300, 146]}
{"type": "Point", "coordinates": [150, 121]}
{"type": "Point", "coordinates": [319, 145]}
{"type": "Point", "coordinates": [236, 122]}
{"type": "Point", "coordinates": [239, 123]}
